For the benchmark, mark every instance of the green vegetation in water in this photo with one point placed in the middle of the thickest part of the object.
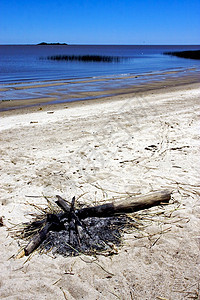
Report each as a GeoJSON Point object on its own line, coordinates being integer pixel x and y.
{"type": "Point", "coordinates": [192, 54]}
{"type": "Point", "coordinates": [85, 58]}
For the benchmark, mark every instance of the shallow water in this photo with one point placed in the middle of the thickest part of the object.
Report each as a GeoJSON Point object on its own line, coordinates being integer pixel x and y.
{"type": "Point", "coordinates": [24, 75]}
{"type": "Point", "coordinates": [24, 63]}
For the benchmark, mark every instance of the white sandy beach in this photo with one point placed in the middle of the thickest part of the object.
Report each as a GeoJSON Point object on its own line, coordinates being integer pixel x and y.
{"type": "Point", "coordinates": [72, 150]}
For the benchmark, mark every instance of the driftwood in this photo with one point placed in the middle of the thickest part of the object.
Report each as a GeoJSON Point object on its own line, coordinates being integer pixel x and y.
{"type": "Point", "coordinates": [56, 222]}
{"type": "Point", "coordinates": [130, 205]}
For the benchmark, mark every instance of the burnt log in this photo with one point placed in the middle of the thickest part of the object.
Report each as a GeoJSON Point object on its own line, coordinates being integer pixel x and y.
{"type": "Point", "coordinates": [37, 239]}
{"type": "Point", "coordinates": [62, 203]}
{"type": "Point", "coordinates": [52, 223]}
{"type": "Point", "coordinates": [130, 205]}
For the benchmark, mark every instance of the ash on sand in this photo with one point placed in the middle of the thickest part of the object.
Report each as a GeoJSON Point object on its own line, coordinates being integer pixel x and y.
{"type": "Point", "coordinates": [97, 235]}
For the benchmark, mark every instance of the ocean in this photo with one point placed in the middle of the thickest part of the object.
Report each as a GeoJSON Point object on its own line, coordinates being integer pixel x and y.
{"type": "Point", "coordinates": [25, 65]}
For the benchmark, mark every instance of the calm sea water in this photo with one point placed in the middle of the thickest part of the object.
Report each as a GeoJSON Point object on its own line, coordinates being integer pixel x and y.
{"type": "Point", "coordinates": [24, 64]}
{"type": "Point", "coordinates": [28, 79]}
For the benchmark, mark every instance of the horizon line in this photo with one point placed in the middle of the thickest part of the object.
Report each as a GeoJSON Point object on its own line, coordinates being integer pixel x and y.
{"type": "Point", "coordinates": [33, 44]}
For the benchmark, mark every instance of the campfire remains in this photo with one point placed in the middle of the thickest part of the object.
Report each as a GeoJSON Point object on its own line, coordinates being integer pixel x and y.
{"type": "Point", "coordinates": [87, 229]}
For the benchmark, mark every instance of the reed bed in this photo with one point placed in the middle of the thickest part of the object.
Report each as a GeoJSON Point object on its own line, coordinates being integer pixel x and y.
{"type": "Point", "coordinates": [85, 58]}
{"type": "Point", "coordinates": [192, 54]}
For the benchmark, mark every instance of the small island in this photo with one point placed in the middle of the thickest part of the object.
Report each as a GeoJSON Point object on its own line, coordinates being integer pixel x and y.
{"type": "Point", "coordinates": [51, 44]}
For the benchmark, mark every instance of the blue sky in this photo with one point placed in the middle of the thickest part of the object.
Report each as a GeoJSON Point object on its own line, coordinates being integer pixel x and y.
{"type": "Point", "coordinates": [100, 21]}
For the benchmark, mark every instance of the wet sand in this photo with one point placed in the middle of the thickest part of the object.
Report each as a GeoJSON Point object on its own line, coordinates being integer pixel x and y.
{"type": "Point", "coordinates": [40, 94]}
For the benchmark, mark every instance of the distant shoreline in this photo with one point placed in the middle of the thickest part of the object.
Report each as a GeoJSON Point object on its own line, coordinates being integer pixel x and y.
{"type": "Point", "coordinates": [85, 44]}
{"type": "Point", "coordinates": [192, 54]}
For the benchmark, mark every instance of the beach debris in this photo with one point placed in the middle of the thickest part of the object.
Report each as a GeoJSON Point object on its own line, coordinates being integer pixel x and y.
{"type": "Point", "coordinates": [151, 148]}
{"type": "Point", "coordinates": [1, 221]}
{"type": "Point", "coordinates": [87, 229]}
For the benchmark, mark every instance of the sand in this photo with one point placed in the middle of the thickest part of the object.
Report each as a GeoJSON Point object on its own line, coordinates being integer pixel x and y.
{"type": "Point", "coordinates": [102, 149]}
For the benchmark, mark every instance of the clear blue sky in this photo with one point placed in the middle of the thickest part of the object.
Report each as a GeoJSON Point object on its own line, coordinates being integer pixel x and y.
{"type": "Point", "coordinates": [100, 21]}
